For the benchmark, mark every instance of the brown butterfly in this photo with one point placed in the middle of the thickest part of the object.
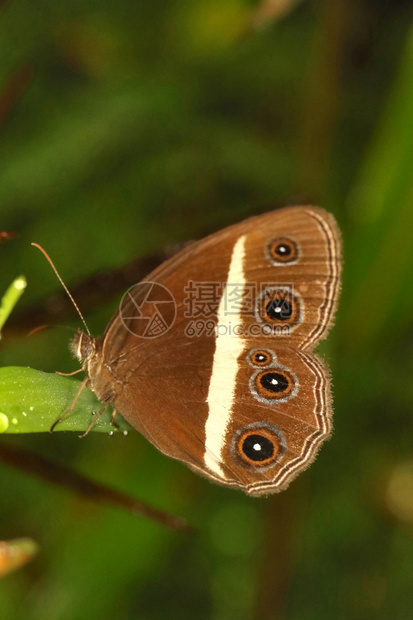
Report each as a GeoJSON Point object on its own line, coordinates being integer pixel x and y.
{"type": "Point", "coordinates": [210, 357]}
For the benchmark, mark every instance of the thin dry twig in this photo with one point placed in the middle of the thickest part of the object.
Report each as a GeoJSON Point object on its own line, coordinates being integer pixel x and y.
{"type": "Point", "coordinates": [7, 235]}
{"type": "Point", "coordinates": [16, 553]}
{"type": "Point", "coordinates": [275, 565]}
{"type": "Point", "coordinates": [269, 11]}
{"type": "Point", "coordinates": [321, 95]}
{"type": "Point", "coordinates": [42, 468]}
{"type": "Point", "coordinates": [13, 89]}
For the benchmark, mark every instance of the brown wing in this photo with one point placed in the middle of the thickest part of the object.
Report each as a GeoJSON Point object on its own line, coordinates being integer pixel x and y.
{"type": "Point", "coordinates": [166, 398]}
{"type": "Point", "coordinates": [303, 284]}
{"type": "Point", "coordinates": [280, 416]}
{"type": "Point", "coordinates": [168, 403]}
{"type": "Point", "coordinates": [295, 262]}
{"type": "Point", "coordinates": [190, 392]}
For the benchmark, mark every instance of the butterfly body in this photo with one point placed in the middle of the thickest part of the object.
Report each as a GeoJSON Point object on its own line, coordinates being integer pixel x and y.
{"type": "Point", "coordinates": [243, 401]}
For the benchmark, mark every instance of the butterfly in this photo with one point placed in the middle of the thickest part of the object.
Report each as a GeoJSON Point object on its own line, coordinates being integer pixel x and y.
{"type": "Point", "coordinates": [211, 356]}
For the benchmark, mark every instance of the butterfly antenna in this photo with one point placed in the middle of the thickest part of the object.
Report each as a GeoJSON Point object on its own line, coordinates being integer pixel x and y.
{"type": "Point", "coordinates": [45, 254]}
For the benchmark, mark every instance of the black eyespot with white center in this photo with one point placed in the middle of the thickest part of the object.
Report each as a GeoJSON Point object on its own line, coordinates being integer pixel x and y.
{"type": "Point", "coordinates": [275, 382]}
{"type": "Point", "coordinates": [273, 385]}
{"type": "Point", "coordinates": [282, 251]}
{"type": "Point", "coordinates": [259, 445]}
{"type": "Point", "coordinates": [260, 357]}
{"type": "Point", "coordinates": [279, 306]}
{"type": "Point", "coordinates": [258, 448]}
{"type": "Point", "coordinates": [279, 309]}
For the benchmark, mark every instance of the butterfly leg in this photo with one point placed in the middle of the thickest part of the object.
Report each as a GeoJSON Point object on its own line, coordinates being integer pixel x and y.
{"type": "Point", "coordinates": [69, 374]}
{"type": "Point", "coordinates": [112, 419]}
{"type": "Point", "coordinates": [93, 422]}
{"type": "Point", "coordinates": [72, 406]}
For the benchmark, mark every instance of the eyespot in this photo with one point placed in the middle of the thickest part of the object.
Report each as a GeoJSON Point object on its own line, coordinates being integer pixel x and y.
{"type": "Point", "coordinates": [273, 385]}
{"type": "Point", "coordinates": [259, 444]}
{"type": "Point", "coordinates": [260, 357]}
{"type": "Point", "coordinates": [282, 251]}
{"type": "Point", "coordinates": [279, 306]}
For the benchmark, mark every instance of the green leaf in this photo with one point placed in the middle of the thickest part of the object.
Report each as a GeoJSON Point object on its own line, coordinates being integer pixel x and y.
{"type": "Point", "coordinates": [10, 298]}
{"type": "Point", "coordinates": [379, 250]}
{"type": "Point", "coordinates": [31, 401]}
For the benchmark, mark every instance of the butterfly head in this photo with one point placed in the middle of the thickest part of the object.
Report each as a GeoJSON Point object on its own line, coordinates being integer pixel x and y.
{"type": "Point", "coordinates": [83, 347]}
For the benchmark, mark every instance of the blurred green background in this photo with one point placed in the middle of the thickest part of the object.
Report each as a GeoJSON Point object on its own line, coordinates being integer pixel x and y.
{"type": "Point", "coordinates": [127, 126]}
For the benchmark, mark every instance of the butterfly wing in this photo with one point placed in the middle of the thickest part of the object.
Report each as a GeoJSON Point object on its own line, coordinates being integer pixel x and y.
{"type": "Point", "coordinates": [256, 433]}
{"type": "Point", "coordinates": [279, 416]}
{"type": "Point", "coordinates": [268, 285]}
{"type": "Point", "coordinates": [305, 281]}
{"type": "Point", "coordinates": [294, 263]}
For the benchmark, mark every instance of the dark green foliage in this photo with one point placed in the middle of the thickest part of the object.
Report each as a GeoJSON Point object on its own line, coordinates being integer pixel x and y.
{"type": "Point", "coordinates": [140, 124]}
